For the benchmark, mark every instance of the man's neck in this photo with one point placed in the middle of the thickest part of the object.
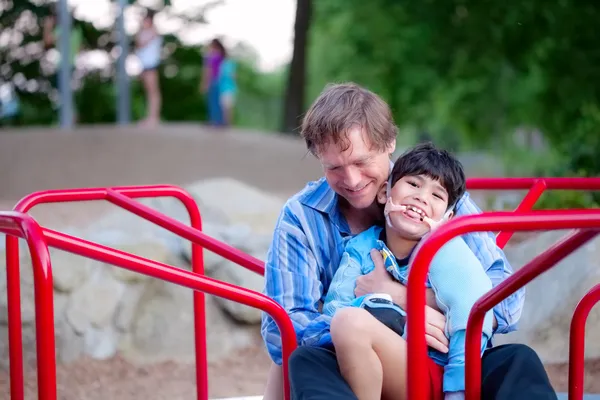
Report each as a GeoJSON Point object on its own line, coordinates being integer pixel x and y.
{"type": "Point", "coordinates": [360, 220]}
{"type": "Point", "coordinates": [399, 246]}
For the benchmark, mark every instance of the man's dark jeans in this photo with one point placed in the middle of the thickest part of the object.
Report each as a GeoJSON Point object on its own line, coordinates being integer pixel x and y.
{"type": "Point", "coordinates": [509, 372]}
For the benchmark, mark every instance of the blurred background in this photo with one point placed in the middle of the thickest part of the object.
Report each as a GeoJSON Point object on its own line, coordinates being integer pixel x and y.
{"type": "Point", "coordinates": [209, 94]}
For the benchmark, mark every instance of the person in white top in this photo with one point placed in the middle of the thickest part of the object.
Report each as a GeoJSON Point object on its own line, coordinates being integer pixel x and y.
{"type": "Point", "coordinates": [148, 47]}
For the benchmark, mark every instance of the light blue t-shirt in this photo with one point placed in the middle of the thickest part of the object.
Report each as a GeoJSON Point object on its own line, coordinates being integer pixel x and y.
{"type": "Point", "coordinates": [227, 77]}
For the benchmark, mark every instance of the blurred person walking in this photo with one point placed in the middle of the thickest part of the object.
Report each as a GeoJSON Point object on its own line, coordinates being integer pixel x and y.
{"type": "Point", "coordinates": [148, 47]}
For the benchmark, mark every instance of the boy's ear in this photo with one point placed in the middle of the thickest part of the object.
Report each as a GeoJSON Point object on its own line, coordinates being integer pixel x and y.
{"type": "Point", "coordinates": [451, 215]}
{"type": "Point", "coordinates": [382, 194]}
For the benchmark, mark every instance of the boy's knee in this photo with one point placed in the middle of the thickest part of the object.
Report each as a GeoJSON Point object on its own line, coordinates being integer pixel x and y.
{"type": "Point", "coordinates": [349, 323]}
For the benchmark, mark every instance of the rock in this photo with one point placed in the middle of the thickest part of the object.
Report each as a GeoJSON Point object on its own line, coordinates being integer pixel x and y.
{"type": "Point", "coordinates": [94, 303]}
{"type": "Point", "coordinates": [551, 298]}
{"type": "Point", "coordinates": [239, 202]}
{"type": "Point", "coordinates": [163, 327]}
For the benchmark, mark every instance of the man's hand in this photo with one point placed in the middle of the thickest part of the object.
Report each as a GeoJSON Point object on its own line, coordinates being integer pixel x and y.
{"type": "Point", "coordinates": [381, 281]}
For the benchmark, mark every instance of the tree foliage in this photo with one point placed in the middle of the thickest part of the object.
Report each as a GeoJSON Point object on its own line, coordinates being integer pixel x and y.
{"type": "Point", "coordinates": [474, 69]}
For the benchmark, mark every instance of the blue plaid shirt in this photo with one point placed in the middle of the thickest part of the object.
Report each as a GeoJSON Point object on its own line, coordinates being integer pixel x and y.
{"type": "Point", "coordinates": [308, 243]}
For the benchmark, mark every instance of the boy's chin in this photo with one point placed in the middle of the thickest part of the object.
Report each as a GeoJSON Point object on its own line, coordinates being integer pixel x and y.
{"type": "Point", "coordinates": [410, 232]}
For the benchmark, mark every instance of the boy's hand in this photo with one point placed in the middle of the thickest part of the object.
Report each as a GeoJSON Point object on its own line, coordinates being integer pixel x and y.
{"type": "Point", "coordinates": [380, 281]}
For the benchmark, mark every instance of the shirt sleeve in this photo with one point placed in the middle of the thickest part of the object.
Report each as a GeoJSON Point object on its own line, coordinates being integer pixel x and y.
{"type": "Point", "coordinates": [496, 266]}
{"type": "Point", "coordinates": [291, 279]}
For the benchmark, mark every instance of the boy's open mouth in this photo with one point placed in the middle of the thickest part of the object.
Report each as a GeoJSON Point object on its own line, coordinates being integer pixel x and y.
{"type": "Point", "coordinates": [414, 213]}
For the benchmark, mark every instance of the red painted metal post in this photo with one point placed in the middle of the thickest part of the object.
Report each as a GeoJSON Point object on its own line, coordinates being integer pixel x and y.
{"type": "Point", "coordinates": [526, 204]}
{"type": "Point", "coordinates": [184, 278]}
{"type": "Point", "coordinates": [13, 308]}
{"type": "Point", "coordinates": [539, 220]}
{"type": "Point", "coordinates": [20, 224]}
{"type": "Point", "coordinates": [577, 342]}
{"type": "Point", "coordinates": [522, 277]}
{"type": "Point", "coordinates": [89, 194]}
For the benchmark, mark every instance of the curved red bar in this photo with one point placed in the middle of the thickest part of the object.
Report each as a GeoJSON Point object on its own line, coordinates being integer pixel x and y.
{"type": "Point", "coordinates": [89, 194]}
{"type": "Point", "coordinates": [184, 278]}
{"type": "Point", "coordinates": [539, 220]}
{"type": "Point", "coordinates": [552, 183]}
{"type": "Point", "coordinates": [536, 187]}
{"type": "Point", "coordinates": [523, 276]}
{"type": "Point", "coordinates": [577, 342]}
{"type": "Point", "coordinates": [15, 224]}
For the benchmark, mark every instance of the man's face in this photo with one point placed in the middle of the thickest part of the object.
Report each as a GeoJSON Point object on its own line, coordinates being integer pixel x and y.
{"type": "Point", "coordinates": [423, 196]}
{"type": "Point", "coordinates": [357, 173]}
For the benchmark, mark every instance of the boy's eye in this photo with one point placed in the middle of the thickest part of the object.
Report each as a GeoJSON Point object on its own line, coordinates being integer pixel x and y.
{"type": "Point", "coordinates": [411, 183]}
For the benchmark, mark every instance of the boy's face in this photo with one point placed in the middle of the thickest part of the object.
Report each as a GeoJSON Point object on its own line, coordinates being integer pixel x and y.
{"type": "Point", "coordinates": [358, 172]}
{"type": "Point", "coordinates": [419, 192]}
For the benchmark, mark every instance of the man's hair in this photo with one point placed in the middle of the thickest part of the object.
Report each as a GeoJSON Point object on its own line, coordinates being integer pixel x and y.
{"type": "Point", "coordinates": [341, 107]}
{"type": "Point", "coordinates": [426, 159]}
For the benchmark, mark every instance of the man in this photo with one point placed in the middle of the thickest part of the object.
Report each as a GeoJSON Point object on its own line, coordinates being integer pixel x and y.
{"type": "Point", "coordinates": [351, 132]}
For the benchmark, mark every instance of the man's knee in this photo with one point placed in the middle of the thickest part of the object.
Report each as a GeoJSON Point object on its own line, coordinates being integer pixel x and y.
{"type": "Point", "coordinates": [307, 358]}
{"type": "Point", "coordinates": [518, 353]}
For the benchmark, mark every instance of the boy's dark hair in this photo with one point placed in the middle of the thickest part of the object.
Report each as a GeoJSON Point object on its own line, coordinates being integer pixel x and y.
{"type": "Point", "coordinates": [426, 159]}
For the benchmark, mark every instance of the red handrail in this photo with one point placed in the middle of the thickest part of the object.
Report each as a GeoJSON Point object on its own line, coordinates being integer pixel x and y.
{"type": "Point", "coordinates": [539, 220]}
{"type": "Point", "coordinates": [536, 187]}
{"type": "Point", "coordinates": [577, 342]}
{"type": "Point", "coordinates": [185, 278]}
{"type": "Point", "coordinates": [122, 197]}
{"type": "Point", "coordinates": [15, 224]}
{"type": "Point", "coordinates": [523, 276]}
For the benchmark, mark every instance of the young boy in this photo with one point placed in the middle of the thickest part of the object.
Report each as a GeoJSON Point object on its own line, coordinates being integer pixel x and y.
{"type": "Point", "coordinates": [423, 188]}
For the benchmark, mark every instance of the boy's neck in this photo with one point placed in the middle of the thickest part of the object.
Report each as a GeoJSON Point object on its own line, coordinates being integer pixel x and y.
{"type": "Point", "coordinates": [399, 246]}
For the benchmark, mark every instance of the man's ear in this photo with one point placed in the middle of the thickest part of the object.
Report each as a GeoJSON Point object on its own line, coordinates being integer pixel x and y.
{"type": "Point", "coordinates": [382, 194]}
{"type": "Point", "coordinates": [392, 147]}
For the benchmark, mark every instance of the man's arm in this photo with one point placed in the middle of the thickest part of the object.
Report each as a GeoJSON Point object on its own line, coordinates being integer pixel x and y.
{"type": "Point", "coordinates": [496, 266]}
{"type": "Point", "coordinates": [292, 280]}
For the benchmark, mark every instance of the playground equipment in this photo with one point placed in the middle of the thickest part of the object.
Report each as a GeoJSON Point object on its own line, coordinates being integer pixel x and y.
{"type": "Point", "coordinates": [18, 223]}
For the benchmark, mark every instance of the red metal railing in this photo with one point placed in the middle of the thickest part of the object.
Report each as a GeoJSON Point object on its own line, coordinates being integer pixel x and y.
{"type": "Point", "coordinates": [536, 187]}
{"type": "Point", "coordinates": [192, 280]}
{"type": "Point", "coordinates": [577, 342]}
{"type": "Point", "coordinates": [122, 197]}
{"type": "Point", "coordinates": [495, 221]}
{"type": "Point", "coordinates": [22, 225]}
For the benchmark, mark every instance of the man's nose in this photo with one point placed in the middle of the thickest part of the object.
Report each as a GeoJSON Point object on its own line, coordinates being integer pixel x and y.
{"type": "Point", "coordinates": [352, 178]}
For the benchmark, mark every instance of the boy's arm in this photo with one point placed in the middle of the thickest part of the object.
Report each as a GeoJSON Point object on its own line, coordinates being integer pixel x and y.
{"type": "Point", "coordinates": [341, 290]}
{"type": "Point", "coordinates": [496, 266]}
{"type": "Point", "coordinates": [292, 280]}
{"type": "Point", "coordinates": [458, 281]}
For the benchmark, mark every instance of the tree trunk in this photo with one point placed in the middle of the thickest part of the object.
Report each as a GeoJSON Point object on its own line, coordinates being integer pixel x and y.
{"type": "Point", "coordinates": [294, 95]}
